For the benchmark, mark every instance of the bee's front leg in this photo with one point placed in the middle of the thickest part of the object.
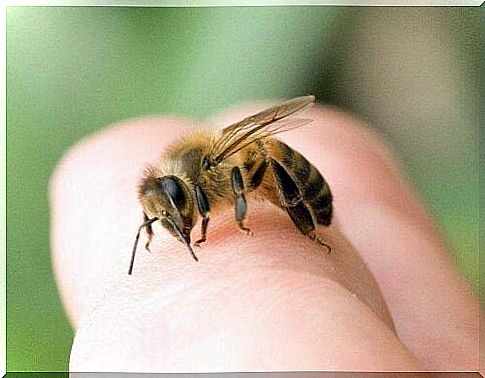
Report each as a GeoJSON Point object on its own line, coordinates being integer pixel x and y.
{"type": "Point", "coordinates": [204, 210]}
{"type": "Point", "coordinates": [149, 230]}
{"type": "Point", "coordinates": [241, 204]}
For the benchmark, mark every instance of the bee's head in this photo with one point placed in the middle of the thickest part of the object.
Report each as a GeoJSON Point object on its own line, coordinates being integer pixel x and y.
{"type": "Point", "coordinates": [169, 199]}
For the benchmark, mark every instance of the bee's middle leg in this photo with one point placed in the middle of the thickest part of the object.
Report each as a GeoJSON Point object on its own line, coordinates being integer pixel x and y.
{"type": "Point", "coordinates": [241, 204]}
{"type": "Point", "coordinates": [204, 210]}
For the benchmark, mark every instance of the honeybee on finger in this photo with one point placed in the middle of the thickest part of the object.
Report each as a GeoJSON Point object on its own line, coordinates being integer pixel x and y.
{"type": "Point", "coordinates": [206, 170]}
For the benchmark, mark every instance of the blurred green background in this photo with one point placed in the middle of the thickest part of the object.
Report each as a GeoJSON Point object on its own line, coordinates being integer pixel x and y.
{"type": "Point", "coordinates": [413, 73]}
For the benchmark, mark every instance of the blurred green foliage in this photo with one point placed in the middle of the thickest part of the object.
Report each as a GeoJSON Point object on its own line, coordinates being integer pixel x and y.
{"type": "Point", "coordinates": [71, 71]}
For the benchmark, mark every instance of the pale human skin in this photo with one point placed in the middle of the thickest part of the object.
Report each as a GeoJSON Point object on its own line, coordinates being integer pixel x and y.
{"type": "Point", "coordinates": [273, 301]}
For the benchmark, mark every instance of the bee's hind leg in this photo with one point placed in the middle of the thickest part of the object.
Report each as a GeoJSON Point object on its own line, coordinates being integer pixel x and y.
{"type": "Point", "coordinates": [204, 210]}
{"type": "Point", "coordinates": [292, 201]}
{"type": "Point", "coordinates": [241, 204]}
{"type": "Point", "coordinates": [320, 241]}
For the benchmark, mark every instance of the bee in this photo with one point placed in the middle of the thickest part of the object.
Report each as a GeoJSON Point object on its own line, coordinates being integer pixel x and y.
{"type": "Point", "coordinates": [205, 171]}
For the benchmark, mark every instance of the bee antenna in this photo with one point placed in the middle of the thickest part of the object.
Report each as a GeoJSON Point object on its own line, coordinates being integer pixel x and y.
{"type": "Point", "coordinates": [147, 223]}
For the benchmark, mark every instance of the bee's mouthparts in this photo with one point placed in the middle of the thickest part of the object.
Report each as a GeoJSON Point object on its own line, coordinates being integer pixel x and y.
{"type": "Point", "coordinates": [185, 239]}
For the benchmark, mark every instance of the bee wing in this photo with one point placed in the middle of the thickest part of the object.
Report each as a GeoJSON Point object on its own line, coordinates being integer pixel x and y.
{"type": "Point", "coordinates": [269, 122]}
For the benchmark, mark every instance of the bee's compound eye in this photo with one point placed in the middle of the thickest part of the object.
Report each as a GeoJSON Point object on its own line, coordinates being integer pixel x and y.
{"type": "Point", "coordinates": [173, 188]}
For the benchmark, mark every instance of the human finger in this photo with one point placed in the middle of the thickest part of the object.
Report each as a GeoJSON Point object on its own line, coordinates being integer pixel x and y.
{"type": "Point", "coordinates": [102, 163]}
